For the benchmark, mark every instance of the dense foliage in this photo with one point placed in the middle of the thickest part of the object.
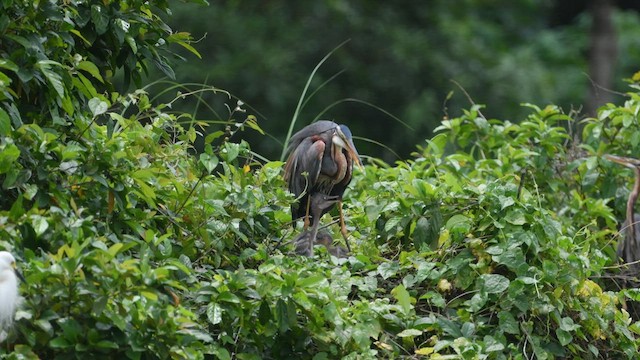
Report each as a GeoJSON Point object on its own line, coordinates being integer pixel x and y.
{"type": "Point", "coordinates": [494, 241]}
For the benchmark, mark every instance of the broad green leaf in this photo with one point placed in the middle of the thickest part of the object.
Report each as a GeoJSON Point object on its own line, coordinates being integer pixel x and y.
{"type": "Point", "coordinates": [564, 337]}
{"type": "Point", "coordinates": [403, 298]}
{"type": "Point", "coordinates": [232, 151]}
{"type": "Point", "coordinates": [209, 162]}
{"type": "Point", "coordinates": [91, 68]}
{"type": "Point", "coordinates": [214, 313]}
{"type": "Point", "coordinates": [508, 323]}
{"type": "Point", "coordinates": [264, 313]}
{"type": "Point", "coordinates": [491, 344]}
{"type": "Point", "coordinates": [100, 18]}
{"type": "Point", "coordinates": [409, 333]}
{"type": "Point", "coordinates": [8, 156]}
{"type": "Point", "coordinates": [5, 81]}
{"type": "Point", "coordinates": [97, 106]}
{"type": "Point", "coordinates": [477, 301]}
{"type": "Point", "coordinates": [311, 281]}
{"type": "Point", "coordinates": [132, 43]}
{"type": "Point", "coordinates": [40, 224]}
{"type": "Point", "coordinates": [149, 295]}
{"type": "Point", "coordinates": [228, 297]}
{"type": "Point", "coordinates": [459, 223]}
{"type": "Point", "coordinates": [115, 248]}
{"type": "Point", "coordinates": [388, 269]}
{"type": "Point", "coordinates": [282, 315]}
{"type": "Point", "coordinates": [9, 65]}
{"type": "Point", "coordinates": [450, 327]}
{"type": "Point", "coordinates": [515, 217]}
{"type": "Point", "coordinates": [54, 78]}
{"type": "Point", "coordinates": [494, 283]}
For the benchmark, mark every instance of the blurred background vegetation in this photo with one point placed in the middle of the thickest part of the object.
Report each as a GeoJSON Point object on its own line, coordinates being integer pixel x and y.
{"type": "Point", "coordinates": [407, 64]}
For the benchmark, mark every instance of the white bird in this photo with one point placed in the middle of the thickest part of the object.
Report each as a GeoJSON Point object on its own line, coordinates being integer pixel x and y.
{"type": "Point", "coordinates": [9, 298]}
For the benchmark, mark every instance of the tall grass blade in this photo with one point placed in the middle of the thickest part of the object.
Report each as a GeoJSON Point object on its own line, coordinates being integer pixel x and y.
{"type": "Point", "coordinates": [301, 100]}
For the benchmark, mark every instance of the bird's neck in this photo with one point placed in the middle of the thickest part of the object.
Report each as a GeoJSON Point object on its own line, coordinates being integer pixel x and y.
{"type": "Point", "coordinates": [630, 205]}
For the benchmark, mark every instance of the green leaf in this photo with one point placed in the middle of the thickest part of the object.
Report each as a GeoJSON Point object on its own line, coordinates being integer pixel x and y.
{"type": "Point", "coordinates": [39, 223]}
{"type": "Point", "coordinates": [100, 18]}
{"type": "Point", "coordinates": [403, 298]}
{"type": "Point", "coordinates": [5, 123]}
{"type": "Point", "coordinates": [252, 122]}
{"type": "Point", "coordinates": [491, 344]}
{"type": "Point", "coordinates": [282, 316]}
{"type": "Point", "coordinates": [149, 295]}
{"type": "Point", "coordinates": [132, 43]}
{"type": "Point", "coordinates": [91, 68]}
{"type": "Point", "coordinates": [508, 323]}
{"type": "Point", "coordinates": [567, 324]}
{"type": "Point", "coordinates": [214, 313]}
{"type": "Point", "coordinates": [9, 65]}
{"type": "Point", "coordinates": [494, 283]}
{"type": "Point", "coordinates": [209, 162]}
{"type": "Point", "coordinates": [8, 156]}
{"type": "Point", "coordinates": [232, 151]}
{"type": "Point", "coordinates": [459, 223]}
{"type": "Point", "coordinates": [506, 201]}
{"type": "Point", "coordinates": [515, 217]}
{"type": "Point", "coordinates": [311, 281]}
{"type": "Point", "coordinates": [54, 78]}
{"type": "Point", "coordinates": [409, 333]}
{"type": "Point", "coordinates": [450, 327]}
{"type": "Point", "coordinates": [97, 106]}
{"type": "Point", "coordinates": [264, 313]}
{"type": "Point", "coordinates": [388, 269]}
{"type": "Point", "coordinates": [228, 297]}
{"type": "Point", "coordinates": [564, 337]}
{"type": "Point", "coordinates": [165, 68]}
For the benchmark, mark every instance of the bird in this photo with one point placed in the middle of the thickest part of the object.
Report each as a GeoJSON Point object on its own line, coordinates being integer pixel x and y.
{"type": "Point", "coordinates": [323, 238]}
{"type": "Point", "coordinates": [9, 298]}
{"type": "Point", "coordinates": [320, 161]}
{"type": "Point", "coordinates": [628, 248]}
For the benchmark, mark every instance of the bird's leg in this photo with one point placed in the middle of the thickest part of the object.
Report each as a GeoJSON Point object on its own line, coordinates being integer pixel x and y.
{"type": "Point", "coordinates": [320, 202]}
{"type": "Point", "coordinates": [302, 244]}
{"type": "Point", "coordinates": [314, 233]}
{"type": "Point", "coordinates": [343, 226]}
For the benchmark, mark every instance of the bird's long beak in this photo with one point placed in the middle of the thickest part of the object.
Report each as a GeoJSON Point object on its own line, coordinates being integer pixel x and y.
{"type": "Point", "coordinates": [18, 274]}
{"type": "Point", "coordinates": [631, 163]}
{"type": "Point", "coordinates": [351, 149]}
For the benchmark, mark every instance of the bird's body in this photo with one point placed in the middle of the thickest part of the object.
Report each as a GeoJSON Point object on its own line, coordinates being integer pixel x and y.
{"type": "Point", "coordinates": [318, 170]}
{"type": "Point", "coordinates": [323, 238]}
{"type": "Point", "coordinates": [9, 298]}
{"type": "Point", "coordinates": [324, 152]}
{"type": "Point", "coordinates": [629, 249]}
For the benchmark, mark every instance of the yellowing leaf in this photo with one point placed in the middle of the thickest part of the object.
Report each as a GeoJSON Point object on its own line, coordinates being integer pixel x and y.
{"type": "Point", "coordinates": [444, 286]}
{"type": "Point", "coordinates": [589, 288]}
{"type": "Point", "coordinates": [384, 346]}
{"type": "Point", "coordinates": [115, 248]}
{"type": "Point", "coordinates": [424, 351]}
{"type": "Point", "coordinates": [149, 295]}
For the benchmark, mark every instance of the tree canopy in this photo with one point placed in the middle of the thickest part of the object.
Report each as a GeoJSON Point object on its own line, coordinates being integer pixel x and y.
{"type": "Point", "coordinates": [418, 62]}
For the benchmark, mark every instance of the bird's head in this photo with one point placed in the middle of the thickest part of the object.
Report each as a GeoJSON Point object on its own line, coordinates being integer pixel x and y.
{"type": "Point", "coordinates": [342, 138]}
{"type": "Point", "coordinates": [8, 262]}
